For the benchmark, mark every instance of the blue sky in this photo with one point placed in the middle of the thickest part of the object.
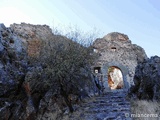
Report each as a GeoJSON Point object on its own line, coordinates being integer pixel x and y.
{"type": "Point", "coordinates": [139, 19]}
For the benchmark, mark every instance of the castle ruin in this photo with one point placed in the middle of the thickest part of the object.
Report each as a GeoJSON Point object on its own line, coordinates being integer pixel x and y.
{"type": "Point", "coordinates": [115, 51]}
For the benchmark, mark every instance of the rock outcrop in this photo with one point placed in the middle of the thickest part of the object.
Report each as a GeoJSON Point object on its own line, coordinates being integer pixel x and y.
{"type": "Point", "coordinates": [13, 65]}
{"type": "Point", "coordinates": [147, 80]}
{"type": "Point", "coordinates": [24, 93]}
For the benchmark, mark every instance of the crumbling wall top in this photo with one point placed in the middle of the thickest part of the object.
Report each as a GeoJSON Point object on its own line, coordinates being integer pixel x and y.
{"type": "Point", "coordinates": [116, 36]}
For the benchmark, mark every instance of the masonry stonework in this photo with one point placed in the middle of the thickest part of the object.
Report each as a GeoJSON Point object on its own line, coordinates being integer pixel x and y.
{"type": "Point", "coordinates": [32, 36]}
{"type": "Point", "coordinates": [115, 49]}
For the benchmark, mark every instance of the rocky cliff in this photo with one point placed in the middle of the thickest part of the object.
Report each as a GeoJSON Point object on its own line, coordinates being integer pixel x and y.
{"type": "Point", "coordinates": [24, 91]}
{"type": "Point", "coordinates": [13, 66]}
{"type": "Point", "coordinates": [147, 80]}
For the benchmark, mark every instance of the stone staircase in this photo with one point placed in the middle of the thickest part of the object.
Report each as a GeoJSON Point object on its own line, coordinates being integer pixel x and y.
{"type": "Point", "coordinates": [111, 106]}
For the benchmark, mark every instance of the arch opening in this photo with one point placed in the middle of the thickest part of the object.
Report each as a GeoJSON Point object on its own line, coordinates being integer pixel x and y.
{"type": "Point", "coordinates": [97, 69]}
{"type": "Point", "coordinates": [115, 78]}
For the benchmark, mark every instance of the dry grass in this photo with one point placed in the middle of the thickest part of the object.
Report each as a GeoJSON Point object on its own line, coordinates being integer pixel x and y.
{"type": "Point", "coordinates": [145, 110]}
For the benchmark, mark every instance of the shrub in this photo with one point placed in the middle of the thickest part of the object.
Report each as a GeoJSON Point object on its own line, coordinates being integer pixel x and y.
{"type": "Point", "coordinates": [63, 65]}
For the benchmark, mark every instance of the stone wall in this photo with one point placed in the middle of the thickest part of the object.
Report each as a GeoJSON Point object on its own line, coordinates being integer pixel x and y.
{"type": "Point", "coordinates": [33, 48]}
{"type": "Point", "coordinates": [115, 49]}
{"type": "Point", "coordinates": [32, 36]}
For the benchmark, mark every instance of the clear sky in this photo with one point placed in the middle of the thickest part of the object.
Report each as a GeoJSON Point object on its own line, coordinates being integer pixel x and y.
{"type": "Point", "coordinates": [139, 19]}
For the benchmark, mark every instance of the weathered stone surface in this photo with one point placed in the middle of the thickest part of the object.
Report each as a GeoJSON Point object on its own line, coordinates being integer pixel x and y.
{"type": "Point", "coordinates": [2, 26]}
{"type": "Point", "coordinates": [1, 48]}
{"type": "Point", "coordinates": [32, 36]}
{"type": "Point", "coordinates": [12, 71]}
{"type": "Point", "coordinates": [116, 36]}
{"type": "Point", "coordinates": [146, 79]}
{"type": "Point", "coordinates": [30, 32]}
{"type": "Point", "coordinates": [115, 49]}
{"type": "Point", "coordinates": [112, 106]}
{"type": "Point", "coordinates": [22, 97]}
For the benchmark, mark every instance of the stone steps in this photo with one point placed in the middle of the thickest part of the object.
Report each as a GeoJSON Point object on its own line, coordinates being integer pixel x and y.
{"type": "Point", "coordinates": [111, 106]}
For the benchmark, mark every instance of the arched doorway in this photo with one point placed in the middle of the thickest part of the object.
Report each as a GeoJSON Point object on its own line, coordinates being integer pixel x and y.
{"type": "Point", "coordinates": [115, 78]}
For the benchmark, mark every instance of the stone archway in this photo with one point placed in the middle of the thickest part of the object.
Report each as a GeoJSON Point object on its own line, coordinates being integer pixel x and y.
{"type": "Point", "coordinates": [124, 71]}
{"type": "Point", "coordinates": [115, 78]}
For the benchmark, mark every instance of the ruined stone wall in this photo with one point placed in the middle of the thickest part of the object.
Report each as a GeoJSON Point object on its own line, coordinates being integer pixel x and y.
{"type": "Point", "coordinates": [33, 48]}
{"type": "Point", "coordinates": [115, 49]}
{"type": "Point", "coordinates": [32, 36]}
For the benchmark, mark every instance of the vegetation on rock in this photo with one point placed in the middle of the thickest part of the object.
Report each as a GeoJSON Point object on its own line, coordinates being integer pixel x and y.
{"type": "Point", "coordinates": [43, 73]}
{"type": "Point", "coordinates": [64, 66]}
{"type": "Point", "coordinates": [57, 76]}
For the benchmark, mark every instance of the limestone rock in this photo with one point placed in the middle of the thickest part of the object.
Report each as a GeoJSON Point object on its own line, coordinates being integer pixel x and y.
{"type": "Point", "coordinates": [12, 71]}
{"type": "Point", "coordinates": [1, 48]}
{"type": "Point", "coordinates": [17, 101]}
{"type": "Point", "coordinates": [146, 79]}
{"type": "Point", "coordinates": [2, 26]}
